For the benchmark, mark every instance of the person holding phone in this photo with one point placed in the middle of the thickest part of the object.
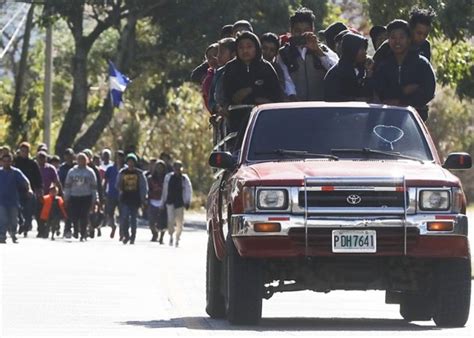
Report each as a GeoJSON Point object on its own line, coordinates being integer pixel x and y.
{"type": "Point", "coordinates": [304, 60]}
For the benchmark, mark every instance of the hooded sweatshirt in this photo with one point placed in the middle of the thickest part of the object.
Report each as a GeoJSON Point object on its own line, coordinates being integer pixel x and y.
{"type": "Point", "coordinates": [384, 51]}
{"type": "Point", "coordinates": [390, 78]}
{"type": "Point", "coordinates": [259, 75]}
{"type": "Point", "coordinates": [31, 170]}
{"type": "Point", "coordinates": [80, 182]}
{"type": "Point", "coordinates": [347, 81]}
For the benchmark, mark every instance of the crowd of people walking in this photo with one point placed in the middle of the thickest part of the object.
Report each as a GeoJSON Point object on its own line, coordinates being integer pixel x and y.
{"type": "Point", "coordinates": [87, 191]}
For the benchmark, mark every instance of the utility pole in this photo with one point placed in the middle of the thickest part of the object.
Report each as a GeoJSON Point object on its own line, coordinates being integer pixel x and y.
{"type": "Point", "coordinates": [48, 85]}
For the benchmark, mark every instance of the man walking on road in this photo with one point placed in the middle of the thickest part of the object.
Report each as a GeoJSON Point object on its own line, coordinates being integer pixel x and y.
{"type": "Point", "coordinates": [12, 183]}
{"type": "Point", "coordinates": [133, 189]}
{"type": "Point", "coordinates": [111, 192]}
{"type": "Point", "coordinates": [64, 168]}
{"type": "Point", "coordinates": [80, 192]}
{"type": "Point", "coordinates": [177, 194]}
{"type": "Point", "coordinates": [31, 170]}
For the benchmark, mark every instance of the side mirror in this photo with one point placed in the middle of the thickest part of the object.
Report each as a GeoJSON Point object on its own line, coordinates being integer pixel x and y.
{"type": "Point", "coordinates": [223, 160]}
{"type": "Point", "coordinates": [458, 161]}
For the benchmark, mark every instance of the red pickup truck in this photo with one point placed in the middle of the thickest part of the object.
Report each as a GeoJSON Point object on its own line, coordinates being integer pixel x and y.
{"type": "Point", "coordinates": [337, 196]}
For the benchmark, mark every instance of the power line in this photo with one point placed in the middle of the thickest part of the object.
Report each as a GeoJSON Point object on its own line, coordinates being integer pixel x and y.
{"type": "Point", "coordinates": [5, 50]}
{"type": "Point", "coordinates": [12, 18]}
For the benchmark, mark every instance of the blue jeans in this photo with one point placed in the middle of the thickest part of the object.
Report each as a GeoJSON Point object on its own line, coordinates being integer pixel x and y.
{"type": "Point", "coordinates": [128, 218]}
{"type": "Point", "coordinates": [8, 221]}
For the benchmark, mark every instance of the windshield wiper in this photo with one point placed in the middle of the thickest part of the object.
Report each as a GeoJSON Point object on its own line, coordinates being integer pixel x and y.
{"type": "Point", "coordinates": [367, 151]}
{"type": "Point", "coordinates": [296, 153]}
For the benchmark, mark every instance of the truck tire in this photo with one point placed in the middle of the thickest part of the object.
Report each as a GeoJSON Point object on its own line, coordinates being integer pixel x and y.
{"type": "Point", "coordinates": [215, 303]}
{"type": "Point", "coordinates": [453, 293]}
{"type": "Point", "coordinates": [416, 306]}
{"type": "Point", "coordinates": [244, 289]}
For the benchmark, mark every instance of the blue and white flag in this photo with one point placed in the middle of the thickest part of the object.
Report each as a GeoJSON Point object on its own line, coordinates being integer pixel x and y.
{"type": "Point", "coordinates": [118, 84]}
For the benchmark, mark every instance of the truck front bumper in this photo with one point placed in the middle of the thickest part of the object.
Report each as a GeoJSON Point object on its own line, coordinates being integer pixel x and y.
{"type": "Point", "coordinates": [312, 237]}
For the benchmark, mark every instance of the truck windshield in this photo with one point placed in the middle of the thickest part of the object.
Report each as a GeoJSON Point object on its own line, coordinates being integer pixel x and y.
{"type": "Point", "coordinates": [359, 133]}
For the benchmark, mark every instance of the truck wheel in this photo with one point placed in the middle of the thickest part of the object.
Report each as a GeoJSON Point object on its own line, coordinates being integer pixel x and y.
{"type": "Point", "coordinates": [415, 306]}
{"type": "Point", "coordinates": [453, 293]}
{"type": "Point", "coordinates": [244, 289]}
{"type": "Point", "coordinates": [215, 304]}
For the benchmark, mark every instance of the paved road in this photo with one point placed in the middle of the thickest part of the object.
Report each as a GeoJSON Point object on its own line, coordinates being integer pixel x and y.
{"type": "Point", "coordinates": [103, 288]}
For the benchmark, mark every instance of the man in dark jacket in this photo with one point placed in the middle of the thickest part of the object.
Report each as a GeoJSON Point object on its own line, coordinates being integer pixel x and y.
{"type": "Point", "coordinates": [199, 73]}
{"type": "Point", "coordinates": [133, 189]}
{"type": "Point", "coordinates": [249, 79]}
{"type": "Point", "coordinates": [31, 170]}
{"type": "Point", "coordinates": [347, 80]}
{"type": "Point", "coordinates": [378, 34]}
{"type": "Point", "coordinates": [331, 32]}
{"type": "Point", "coordinates": [67, 165]}
{"type": "Point", "coordinates": [270, 47]}
{"type": "Point", "coordinates": [406, 77]}
{"type": "Point", "coordinates": [420, 22]}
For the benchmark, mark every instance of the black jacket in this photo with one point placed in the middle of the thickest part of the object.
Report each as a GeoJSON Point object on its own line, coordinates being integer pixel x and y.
{"type": "Point", "coordinates": [198, 73]}
{"type": "Point", "coordinates": [390, 78]}
{"type": "Point", "coordinates": [383, 52]}
{"type": "Point", "coordinates": [341, 82]}
{"type": "Point", "coordinates": [259, 75]}
{"type": "Point", "coordinates": [31, 170]}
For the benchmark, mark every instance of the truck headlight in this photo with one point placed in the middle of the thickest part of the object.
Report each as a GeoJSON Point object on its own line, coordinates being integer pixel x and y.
{"type": "Point", "coordinates": [434, 200]}
{"type": "Point", "coordinates": [274, 199]}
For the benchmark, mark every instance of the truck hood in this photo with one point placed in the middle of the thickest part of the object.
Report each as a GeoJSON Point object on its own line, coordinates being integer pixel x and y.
{"type": "Point", "coordinates": [293, 172]}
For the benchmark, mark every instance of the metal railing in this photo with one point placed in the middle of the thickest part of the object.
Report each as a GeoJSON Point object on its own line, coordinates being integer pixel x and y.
{"type": "Point", "coordinates": [228, 127]}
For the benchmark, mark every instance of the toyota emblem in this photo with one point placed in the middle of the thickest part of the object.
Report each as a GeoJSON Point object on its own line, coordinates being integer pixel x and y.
{"type": "Point", "coordinates": [353, 199]}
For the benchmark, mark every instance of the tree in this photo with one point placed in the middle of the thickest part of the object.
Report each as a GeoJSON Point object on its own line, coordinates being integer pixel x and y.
{"type": "Point", "coordinates": [123, 60]}
{"type": "Point", "coordinates": [453, 27]}
{"type": "Point", "coordinates": [105, 14]}
{"type": "Point", "coordinates": [16, 118]}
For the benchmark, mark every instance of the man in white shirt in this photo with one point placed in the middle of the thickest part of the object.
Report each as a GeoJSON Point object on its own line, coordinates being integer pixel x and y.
{"type": "Point", "coordinates": [304, 61]}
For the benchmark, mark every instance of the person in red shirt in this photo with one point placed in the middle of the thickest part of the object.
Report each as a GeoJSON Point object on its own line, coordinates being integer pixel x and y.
{"type": "Point", "coordinates": [53, 210]}
{"type": "Point", "coordinates": [211, 57]}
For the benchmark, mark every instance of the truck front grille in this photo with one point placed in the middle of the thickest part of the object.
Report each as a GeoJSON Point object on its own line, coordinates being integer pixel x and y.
{"type": "Point", "coordinates": [352, 199]}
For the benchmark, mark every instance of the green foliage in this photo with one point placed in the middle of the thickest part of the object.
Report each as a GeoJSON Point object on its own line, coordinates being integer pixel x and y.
{"type": "Point", "coordinates": [455, 18]}
{"type": "Point", "coordinates": [451, 124]}
{"type": "Point", "coordinates": [185, 133]}
{"type": "Point", "coordinates": [453, 53]}
{"type": "Point", "coordinates": [455, 65]}
{"type": "Point", "coordinates": [181, 130]}
{"type": "Point", "coordinates": [334, 14]}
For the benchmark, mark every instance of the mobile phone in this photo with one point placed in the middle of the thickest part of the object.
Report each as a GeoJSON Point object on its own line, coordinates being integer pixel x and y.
{"type": "Point", "coordinates": [298, 40]}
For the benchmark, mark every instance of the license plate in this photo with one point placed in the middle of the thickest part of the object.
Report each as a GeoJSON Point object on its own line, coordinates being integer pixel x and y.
{"type": "Point", "coordinates": [354, 241]}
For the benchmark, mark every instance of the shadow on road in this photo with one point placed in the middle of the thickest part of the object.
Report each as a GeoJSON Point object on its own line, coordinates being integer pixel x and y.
{"type": "Point", "coordinates": [288, 324]}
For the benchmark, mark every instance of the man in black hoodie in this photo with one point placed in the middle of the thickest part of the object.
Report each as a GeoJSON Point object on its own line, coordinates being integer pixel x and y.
{"type": "Point", "coordinates": [347, 80]}
{"type": "Point", "coordinates": [405, 77]}
{"type": "Point", "coordinates": [249, 79]}
{"type": "Point", "coordinates": [420, 22]}
{"type": "Point", "coordinates": [31, 170]}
